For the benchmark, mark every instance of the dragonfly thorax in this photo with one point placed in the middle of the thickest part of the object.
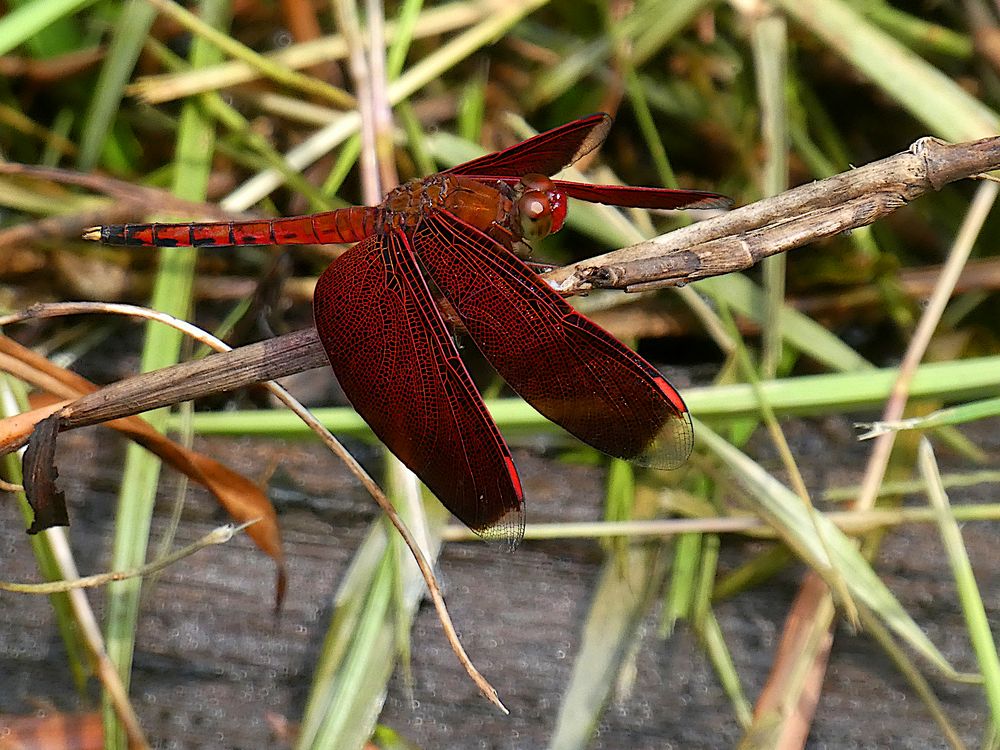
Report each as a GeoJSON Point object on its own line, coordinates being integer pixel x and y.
{"type": "Point", "coordinates": [511, 213]}
{"type": "Point", "coordinates": [480, 204]}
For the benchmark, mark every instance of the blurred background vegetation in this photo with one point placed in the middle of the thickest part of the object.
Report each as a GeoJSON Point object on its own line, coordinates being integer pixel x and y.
{"type": "Point", "coordinates": [255, 108]}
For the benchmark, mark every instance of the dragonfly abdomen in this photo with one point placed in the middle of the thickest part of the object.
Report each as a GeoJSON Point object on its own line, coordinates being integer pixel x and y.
{"type": "Point", "coordinates": [331, 227]}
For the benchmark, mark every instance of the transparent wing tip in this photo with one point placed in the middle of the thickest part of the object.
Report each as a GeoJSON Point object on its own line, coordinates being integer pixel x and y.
{"type": "Point", "coordinates": [507, 531]}
{"type": "Point", "coordinates": [671, 447]}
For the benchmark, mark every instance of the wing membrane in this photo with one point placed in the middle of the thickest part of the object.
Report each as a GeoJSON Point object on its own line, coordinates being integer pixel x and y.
{"type": "Point", "coordinates": [398, 366]}
{"type": "Point", "coordinates": [642, 197]}
{"type": "Point", "coordinates": [566, 366]}
{"type": "Point", "coordinates": [545, 153]}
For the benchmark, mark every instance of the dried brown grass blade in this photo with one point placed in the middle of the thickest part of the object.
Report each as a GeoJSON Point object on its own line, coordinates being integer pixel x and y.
{"type": "Point", "coordinates": [786, 706]}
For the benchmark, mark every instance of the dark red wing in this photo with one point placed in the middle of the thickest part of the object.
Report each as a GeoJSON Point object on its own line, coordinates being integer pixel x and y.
{"type": "Point", "coordinates": [628, 196]}
{"type": "Point", "coordinates": [545, 153]}
{"type": "Point", "coordinates": [642, 197]}
{"type": "Point", "coordinates": [398, 366]}
{"type": "Point", "coordinates": [566, 366]}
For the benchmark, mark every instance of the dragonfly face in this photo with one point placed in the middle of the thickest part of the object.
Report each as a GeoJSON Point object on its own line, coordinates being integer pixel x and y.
{"type": "Point", "coordinates": [515, 214]}
{"type": "Point", "coordinates": [540, 209]}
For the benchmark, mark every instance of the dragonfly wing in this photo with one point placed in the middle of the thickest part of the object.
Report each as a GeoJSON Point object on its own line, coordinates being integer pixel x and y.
{"type": "Point", "coordinates": [545, 153]}
{"type": "Point", "coordinates": [642, 197]}
{"type": "Point", "coordinates": [398, 366]}
{"type": "Point", "coordinates": [563, 364]}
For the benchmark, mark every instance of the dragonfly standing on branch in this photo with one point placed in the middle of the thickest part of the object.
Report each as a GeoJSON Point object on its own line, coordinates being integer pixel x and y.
{"type": "Point", "coordinates": [391, 349]}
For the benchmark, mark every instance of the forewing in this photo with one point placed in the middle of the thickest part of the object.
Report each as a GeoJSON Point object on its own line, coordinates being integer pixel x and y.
{"type": "Point", "coordinates": [545, 153]}
{"type": "Point", "coordinates": [642, 197]}
{"type": "Point", "coordinates": [399, 367]}
{"type": "Point", "coordinates": [565, 365]}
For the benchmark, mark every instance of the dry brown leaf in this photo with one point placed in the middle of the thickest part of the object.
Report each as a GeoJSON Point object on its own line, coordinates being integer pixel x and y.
{"type": "Point", "coordinates": [15, 430]}
{"type": "Point", "coordinates": [40, 475]}
{"type": "Point", "coordinates": [53, 730]}
{"type": "Point", "coordinates": [239, 496]}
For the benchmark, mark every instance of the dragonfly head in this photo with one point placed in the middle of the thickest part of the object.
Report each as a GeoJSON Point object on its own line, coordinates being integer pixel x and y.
{"type": "Point", "coordinates": [540, 208]}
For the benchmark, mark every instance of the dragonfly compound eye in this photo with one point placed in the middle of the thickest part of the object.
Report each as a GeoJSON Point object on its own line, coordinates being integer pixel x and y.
{"type": "Point", "coordinates": [534, 214]}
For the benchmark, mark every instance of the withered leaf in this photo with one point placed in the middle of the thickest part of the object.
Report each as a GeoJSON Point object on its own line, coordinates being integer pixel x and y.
{"type": "Point", "coordinates": [240, 497]}
{"type": "Point", "coordinates": [40, 475]}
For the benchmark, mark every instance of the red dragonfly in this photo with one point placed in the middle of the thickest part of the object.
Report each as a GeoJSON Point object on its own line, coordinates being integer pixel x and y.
{"type": "Point", "coordinates": [393, 352]}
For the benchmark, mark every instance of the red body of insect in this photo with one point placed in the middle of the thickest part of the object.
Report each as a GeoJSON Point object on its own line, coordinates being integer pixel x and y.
{"type": "Point", "coordinates": [391, 349]}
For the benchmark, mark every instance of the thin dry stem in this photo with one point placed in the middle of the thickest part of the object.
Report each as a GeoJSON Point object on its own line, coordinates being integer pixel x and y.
{"type": "Point", "coordinates": [850, 521]}
{"type": "Point", "coordinates": [220, 535]}
{"type": "Point", "coordinates": [350, 26]}
{"type": "Point", "coordinates": [93, 638]}
{"type": "Point", "coordinates": [878, 462]}
{"type": "Point", "coordinates": [380, 109]}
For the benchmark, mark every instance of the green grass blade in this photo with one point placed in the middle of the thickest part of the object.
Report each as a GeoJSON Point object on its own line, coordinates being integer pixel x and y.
{"type": "Point", "coordinates": [917, 32]}
{"type": "Point", "coordinates": [770, 53]}
{"type": "Point", "coordinates": [349, 718]}
{"type": "Point", "coordinates": [930, 96]}
{"type": "Point", "coordinates": [620, 600]}
{"type": "Point", "coordinates": [808, 395]}
{"type": "Point", "coordinates": [22, 24]}
{"type": "Point", "coordinates": [172, 294]}
{"type": "Point", "coordinates": [361, 646]}
{"type": "Point", "coordinates": [976, 619]}
{"type": "Point", "coordinates": [798, 527]}
{"type": "Point", "coordinates": [14, 399]}
{"type": "Point", "coordinates": [348, 605]}
{"type": "Point", "coordinates": [406, 23]}
{"type": "Point", "coordinates": [267, 66]}
{"type": "Point", "coordinates": [126, 44]}
{"type": "Point", "coordinates": [714, 641]}
{"type": "Point", "coordinates": [680, 591]}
